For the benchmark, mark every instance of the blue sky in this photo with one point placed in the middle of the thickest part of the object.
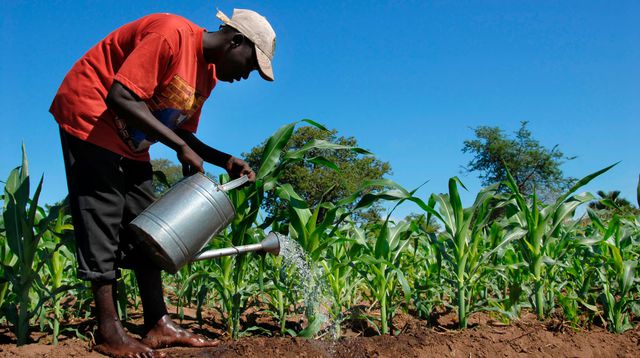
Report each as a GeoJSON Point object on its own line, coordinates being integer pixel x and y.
{"type": "Point", "coordinates": [408, 79]}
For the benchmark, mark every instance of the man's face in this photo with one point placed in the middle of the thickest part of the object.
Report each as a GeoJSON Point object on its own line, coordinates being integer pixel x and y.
{"type": "Point", "coordinates": [238, 61]}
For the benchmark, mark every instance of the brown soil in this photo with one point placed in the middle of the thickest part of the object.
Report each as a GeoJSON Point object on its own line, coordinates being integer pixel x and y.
{"type": "Point", "coordinates": [486, 337]}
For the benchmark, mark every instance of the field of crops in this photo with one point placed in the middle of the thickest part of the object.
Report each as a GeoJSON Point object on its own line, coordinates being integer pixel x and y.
{"type": "Point", "coordinates": [505, 255]}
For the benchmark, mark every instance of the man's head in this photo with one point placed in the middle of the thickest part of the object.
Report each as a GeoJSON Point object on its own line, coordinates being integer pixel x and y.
{"type": "Point", "coordinates": [250, 45]}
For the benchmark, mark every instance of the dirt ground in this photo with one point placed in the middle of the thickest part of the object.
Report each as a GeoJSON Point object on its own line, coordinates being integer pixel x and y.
{"type": "Point", "coordinates": [486, 337]}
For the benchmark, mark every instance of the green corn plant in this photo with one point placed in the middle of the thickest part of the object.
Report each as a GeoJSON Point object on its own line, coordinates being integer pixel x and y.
{"type": "Point", "coordinates": [559, 249]}
{"type": "Point", "coordinates": [247, 202]}
{"type": "Point", "coordinates": [381, 261]}
{"type": "Point", "coordinates": [425, 271]}
{"type": "Point", "coordinates": [7, 259]}
{"type": "Point", "coordinates": [618, 263]}
{"type": "Point", "coordinates": [618, 278]}
{"type": "Point", "coordinates": [507, 284]}
{"type": "Point", "coordinates": [314, 232]}
{"type": "Point", "coordinates": [182, 289]}
{"type": "Point", "coordinates": [229, 279]}
{"type": "Point", "coordinates": [463, 242]}
{"type": "Point", "coordinates": [278, 292]}
{"type": "Point", "coordinates": [315, 235]}
{"type": "Point", "coordinates": [54, 250]}
{"type": "Point", "coordinates": [379, 264]}
{"type": "Point", "coordinates": [543, 225]}
{"type": "Point", "coordinates": [425, 276]}
{"type": "Point", "coordinates": [338, 272]}
{"type": "Point", "coordinates": [581, 274]}
{"type": "Point", "coordinates": [127, 291]}
{"type": "Point", "coordinates": [191, 285]}
{"type": "Point", "coordinates": [232, 283]}
{"type": "Point", "coordinates": [23, 230]}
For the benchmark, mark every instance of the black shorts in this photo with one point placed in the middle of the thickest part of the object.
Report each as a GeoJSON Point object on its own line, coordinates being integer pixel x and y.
{"type": "Point", "coordinates": [106, 192]}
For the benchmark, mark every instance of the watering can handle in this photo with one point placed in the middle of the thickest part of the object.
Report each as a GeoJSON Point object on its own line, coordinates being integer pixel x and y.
{"type": "Point", "coordinates": [233, 184]}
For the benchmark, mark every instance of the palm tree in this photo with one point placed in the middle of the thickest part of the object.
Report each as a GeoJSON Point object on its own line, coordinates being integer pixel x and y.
{"type": "Point", "coordinates": [612, 202]}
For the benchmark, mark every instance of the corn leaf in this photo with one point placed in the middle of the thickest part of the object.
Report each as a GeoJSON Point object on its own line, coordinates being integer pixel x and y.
{"type": "Point", "coordinates": [273, 149]}
{"type": "Point", "coordinates": [582, 182]}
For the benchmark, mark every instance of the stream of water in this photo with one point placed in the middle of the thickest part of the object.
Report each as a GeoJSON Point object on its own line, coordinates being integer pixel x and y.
{"type": "Point", "coordinates": [311, 286]}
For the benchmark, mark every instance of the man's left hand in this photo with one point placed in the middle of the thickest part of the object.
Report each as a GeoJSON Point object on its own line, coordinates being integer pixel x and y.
{"type": "Point", "coordinates": [237, 167]}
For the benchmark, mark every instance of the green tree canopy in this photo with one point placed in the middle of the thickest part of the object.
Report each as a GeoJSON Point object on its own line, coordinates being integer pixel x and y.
{"type": "Point", "coordinates": [532, 165]}
{"type": "Point", "coordinates": [317, 183]}
{"type": "Point", "coordinates": [165, 174]}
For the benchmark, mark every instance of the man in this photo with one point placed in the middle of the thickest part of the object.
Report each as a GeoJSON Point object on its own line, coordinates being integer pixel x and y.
{"type": "Point", "coordinates": [143, 83]}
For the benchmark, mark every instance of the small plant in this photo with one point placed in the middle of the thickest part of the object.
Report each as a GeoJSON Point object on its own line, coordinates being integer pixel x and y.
{"type": "Point", "coordinates": [24, 227]}
{"type": "Point", "coordinates": [543, 225]}
{"type": "Point", "coordinates": [464, 243]}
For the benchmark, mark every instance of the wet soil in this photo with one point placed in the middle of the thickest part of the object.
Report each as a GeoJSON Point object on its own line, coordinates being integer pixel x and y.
{"type": "Point", "coordinates": [486, 337]}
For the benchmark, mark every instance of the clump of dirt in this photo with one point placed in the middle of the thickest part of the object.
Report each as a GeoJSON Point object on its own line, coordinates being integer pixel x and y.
{"type": "Point", "coordinates": [487, 337]}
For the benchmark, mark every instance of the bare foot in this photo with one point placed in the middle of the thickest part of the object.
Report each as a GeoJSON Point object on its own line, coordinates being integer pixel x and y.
{"type": "Point", "coordinates": [167, 334]}
{"type": "Point", "coordinates": [121, 345]}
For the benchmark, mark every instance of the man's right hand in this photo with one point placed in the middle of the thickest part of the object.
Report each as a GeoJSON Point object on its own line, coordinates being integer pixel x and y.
{"type": "Point", "coordinates": [191, 162]}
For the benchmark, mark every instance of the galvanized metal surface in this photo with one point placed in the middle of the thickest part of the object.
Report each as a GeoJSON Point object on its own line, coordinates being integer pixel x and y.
{"type": "Point", "coordinates": [179, 224]}
{"type": "Point", "coordinates": [270, 244]}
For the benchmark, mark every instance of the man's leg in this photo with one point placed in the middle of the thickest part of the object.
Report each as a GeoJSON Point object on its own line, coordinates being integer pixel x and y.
{"type": "Point", "coordinates": [161, 330]}
{"type": "Point", "coordinates": [112, 339]}
{"type": "Point", "coordinates": [96, 207]}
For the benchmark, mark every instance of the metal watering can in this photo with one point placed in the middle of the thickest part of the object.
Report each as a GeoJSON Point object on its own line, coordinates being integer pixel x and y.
{"type": "Point", "coordinates": [178, 225]}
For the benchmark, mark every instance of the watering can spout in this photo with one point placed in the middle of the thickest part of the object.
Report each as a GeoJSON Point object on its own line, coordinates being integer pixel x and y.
{"type": "Point", "coordinates": [270, 244]}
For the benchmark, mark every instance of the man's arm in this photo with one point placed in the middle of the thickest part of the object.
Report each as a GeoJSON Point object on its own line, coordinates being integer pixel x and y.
{"type": "Point", "coordinates": [236, 167]}
{"type": "Point", "coordinates": [136, 113]}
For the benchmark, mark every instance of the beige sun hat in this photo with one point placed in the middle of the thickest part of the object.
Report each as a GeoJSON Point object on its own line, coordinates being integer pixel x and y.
{"type": "Point", "coordinates": [257, 29]}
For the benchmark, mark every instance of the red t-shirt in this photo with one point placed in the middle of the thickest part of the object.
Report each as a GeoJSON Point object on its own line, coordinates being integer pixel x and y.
{"type": "Point", "coordinates": [159, 58]}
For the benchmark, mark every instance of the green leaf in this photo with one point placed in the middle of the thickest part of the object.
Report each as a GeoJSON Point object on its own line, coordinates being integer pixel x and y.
{"type": "Point", "coordinates": [456, 203]}
{"type": "Point", "coordinates": [312, 328]}
{"type": "Point", "coordinates": [447, 213]}
{"type": "Point", "coordinates": [34, 205]}
{"type": "Point", "coordinates": [161, 177]}
{"type": "Point", "coordinates": [323, 144]}
{"type": "Point", "coordinates": [405, 286]}
{"type": "Point", "coordinates": [382, 243]}
{"type": "Point", "coordinates": [25, 165]}
{"type": "Point", "coordinates": [514, 234]}
{"type": "Point", "coordinates": [13, 217]}
{"type": "Point", "coordinates": [273, 149]}
{"type": "Point", "coordinates": [315, 124]}
{"type": "Point", "coordinates": [324, 162]}
{"type": "Point", "coordinates": [628, 276]}
{"type": "Point", "coordinates": [12, 184]}
{"type": "Point", "coordinates": [595, 220]}
{"type": "Point", "coordinates": [522, 204]}
{"type": "Point", "coordinates": [590, 307]}
{"type": "Point", "coordinates": [563, 210]}
{"type": "Point", "coordinates": [582, 182]}
{"type": "Point", "coordinates": [391, 195]}
{"type": "Point", "coordinates": [589, 241]}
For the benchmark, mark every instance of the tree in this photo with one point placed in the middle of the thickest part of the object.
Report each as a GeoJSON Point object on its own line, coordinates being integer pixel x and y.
{"type": "Point", "coordinates": [611, 203]}
{"type": "Point", "coordinates": [165, 174]}
{"type": "Point", "coordinates": [318, 183]}
{"type": "Point", "coordinates": [533, 166]}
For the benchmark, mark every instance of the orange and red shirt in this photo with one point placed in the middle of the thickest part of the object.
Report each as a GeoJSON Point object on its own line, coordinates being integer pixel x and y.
{"type": "Point", "coordinates": [158, 57]}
